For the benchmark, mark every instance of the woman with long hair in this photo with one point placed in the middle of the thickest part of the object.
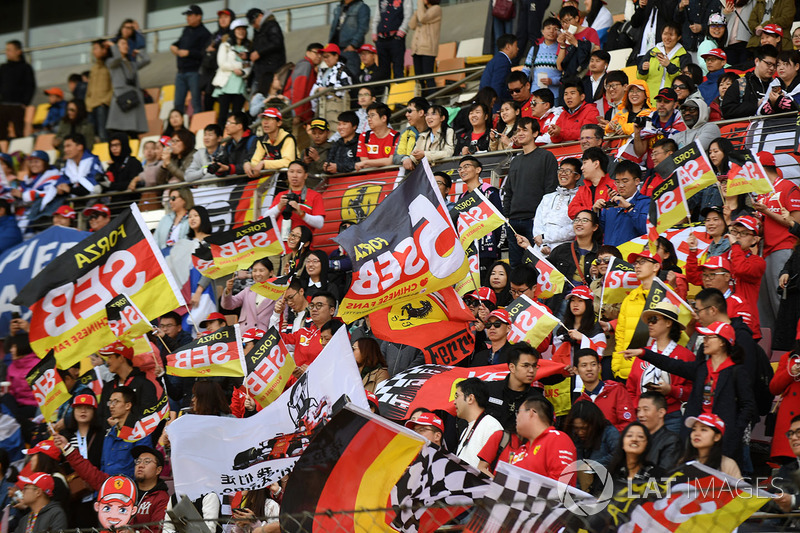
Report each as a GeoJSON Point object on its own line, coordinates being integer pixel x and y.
{"type": "Point", "coordinates": [684, 87]}
{"type": "Point", "coordinates": [438, 141]}
{"type": "Point", "coordinates": [582, 329]}
{"type": "Point", "coordinates": [123, 169]}
{"type": "Point", "coordinates": [180, 263]}
{"type": "Point", "coordinates": [630, 464]}
{"type": "Point", "coordinates": [315, 274]}
{"type": "Point", "coordinates": [129, 30]}
{"type": "Point", "coordinates": [371, 362]}
{"type": "Point", "coordinates": [505, 126]}
{"type": "Point", "coordinates": [126, 113]}
{"type": "Point", "coordinates": [427, 25]}
{"type": "Point", "coordinates": [249, 504]}
{"type": "Point", "coordinates": [665, 331]}
{"type": "Point", "coordinates": [670, 272]}
{"type": "Point", "coordinates": [176, 121]}
{"type": "Point", "coordinates": [635, 104]}
{"type": "Point", "coordinates": [598, 17]}
{"type": "Point", "coordinates": [716, 37]}
{"type": "Point", "coordinates": [716, 231]}
{"type": "Point", "coordinates": [594, 436]}
{"type": "Point", "coordinates": [76, 120]}
{"type": "Point", "coordinates": [84, 431]}
{"type": "Point", "coordinates": [233, 66]}
{"type": "Point", "coordinates": [255, 310]}
{"type": "Point", "coordinates": [299, 245]}
{"type": "Point", "coordinates": [498, 281]}
{"type": "Point", "coordinates": [176, 157]}
{"type": "Point", "coordinates": [475, 138]}
{"type": "Point", "coordinates": [705, 444]}
{"type": "Point", "coordinates": [208, 398]}
{"type": "Point", "coordinates": [175, 224]}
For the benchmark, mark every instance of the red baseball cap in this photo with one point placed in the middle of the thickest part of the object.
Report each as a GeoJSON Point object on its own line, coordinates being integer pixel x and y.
{"type": "Point", "coordinates": [773, 29]}
{"type": "Point", "coordinates": [85, 399]}
{"type": "Point", "coordinates": [368, 48]}
{"type": "Point", "coordinates": [717, 262]}
{"type": "Point", "coordinates": [427, 419]}
{"type": "Point", "coordinates": [331, 48]}
{"type": "Point", "coordinates": [748, 222]}
{"type": "Point", "coordinates": [767, 159]}
{"type": "Point", "coordinates": [58, 92]}
{"type": "Point", "coordinates": [709, 419]}
{"type": "Point", "coordinates": [100, 209]}
{"type": "Point", "coordinates": [47, 447]}
{"type": "Point", "coordinates": [117, 348]}
{"type": "Point", "coordinates": [117, 488]}
{"type": "Point", "coordinates": [66, 212]}
{"type": "Point", "coordinates": [502, 315]}
{"type": "Point", "coordinates": [213, 316]}
{"type": "Point", "coordinates": [253, 334]}
{"type": "Point", "coordinates": [721, 329]}
{"type": "Point", "coordinates": [484, 294]}
{"type": "Point", "coordinates": [272, 112]}
{"type": "Point", "coordinates": [581, 291]}
{"type": "Point", "coordinates": [644, 254]}
{"type": "Point", "coordinates": [40, 480]}
{"type": "Point", "coordinates": [716, 52]}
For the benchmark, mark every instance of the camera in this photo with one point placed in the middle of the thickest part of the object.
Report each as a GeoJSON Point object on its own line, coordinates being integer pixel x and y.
{"type": "Point", "coordinates": [640, 122]}
{"type": "Point", "coordinates": [213, 167]}
{"type": "Point", "coordinates": [288, 210]}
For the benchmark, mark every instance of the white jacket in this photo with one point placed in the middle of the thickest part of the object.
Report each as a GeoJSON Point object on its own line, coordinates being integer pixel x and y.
{"type": "Point", "coordinates": [227, 61]}
{"type": "Point", "coordinates": [552, 219]}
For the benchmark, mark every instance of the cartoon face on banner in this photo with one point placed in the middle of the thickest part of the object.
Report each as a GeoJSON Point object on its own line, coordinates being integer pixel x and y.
{"type": "Point", "coordinates": [116, 502]}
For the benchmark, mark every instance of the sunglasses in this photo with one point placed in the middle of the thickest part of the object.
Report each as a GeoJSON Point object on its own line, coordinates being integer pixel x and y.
{"type": "Point", "coordinates": [680, 87]}
{"type": "Point", "coordinates": [497, 324]}
{"type": "Point", "coordinates": [652, 320]}
{"type": "Point", "coordinates": [515, 91]}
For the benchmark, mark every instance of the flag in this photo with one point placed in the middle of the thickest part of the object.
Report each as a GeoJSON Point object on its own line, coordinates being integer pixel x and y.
{"type": "Point", "coordinates": [125, 319]}
{"type": "Point", "coordinates": [273, 288]}
{"type": "Point", "coordinates": [747, 175]}
{"type": "Point", "coordinates": [667, 206]}
{"type": "Point", "coordinates": [472, 280]}
{"type": "Point", "coordinates": [92, 380]}
{"type": "Point", "coordinates": [267, 368]}
{"type": "Point", "coordinates": [436, 488]}
{"type": "Point", "coordinates": [438, 324]}
{"type": "Point", "coordinates": [550, 281]}
{"type": "Point", "coordinates": [48, 387]}
{"type": "Point", "coordinates": [434, 386]}
{"type": "Point", "coordinates": [405, 247]}
{"type": "Point", "coordinates": [239, 248]}
{"type": "Point", "coordinates": [152, 406]}
{"type": "Point", "coordinates": [651, 134]}
{"type": "Point", "coordinates": [69, 295]}
{"type": "Point", "coordinates": [521, 501]}
{"type": "Point", "coordinates": [692, 167]}
{"type": "Point", "coordinates": [203, 261]}
{"type": "Point", "coordinates": [659, 291]}
{"type": "Point", "coordinates": [619, 281]}
{"type": "Point", "coordinates": [352, 464]}
{"type": "Point", "coordinates": [226, 455]}
{"type": "Point", "coordinates": [476, 217]}
{"type": "Point", "coordinates": [677, 236]}
{"type": "Point", "coordinates": [214, 354]}
{"type": "Point", "coordinates": [530, 321]}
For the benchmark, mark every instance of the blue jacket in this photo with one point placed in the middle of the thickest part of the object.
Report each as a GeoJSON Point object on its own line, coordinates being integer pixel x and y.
{"type": "Point", "coordinates": [708, 89]}
{"type": "Point", "coordinates": [55, 113]}
{"type": "Point", "coordinates": [10, 235]}
{"type": "Point", "coordinates": [83, 178]}
{"type": "Point", "coordinates": [117, 458]}
{"type": "Point", "coordinates": [354, 27]}
{"type": "Point", "coordinates": [494, 76]}
{"type": "Point", "coordinates": [621, 225]}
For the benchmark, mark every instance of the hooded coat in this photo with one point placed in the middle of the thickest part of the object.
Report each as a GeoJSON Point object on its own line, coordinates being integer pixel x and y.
{"type": "Point", "coordinates": [622, 115]}
{"type": "Point", "coordinates": [703, 131]}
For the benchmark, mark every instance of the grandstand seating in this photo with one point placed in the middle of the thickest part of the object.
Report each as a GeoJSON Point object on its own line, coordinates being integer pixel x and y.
{"type": "Point", "coordinates": [21, 144]}
{"type": "Point", "coordinates": [40, 114]}
{"type": "Point", "coordinates": [44, 141]}
{"type": "Point", "coordinates": [470, 47]}
{"type": "Point", "coordinates": [400, 93]}
{"type": "Point", "coordinates": [446, 51]}
{"type": "Point", "coordinates": [450, 64]}
{"type": "Point", "coordinates": [201, 120]}
{"type": "Point", "coordinates": [619, 58]}
{"type": "Point", "coordinates": [101, 151]}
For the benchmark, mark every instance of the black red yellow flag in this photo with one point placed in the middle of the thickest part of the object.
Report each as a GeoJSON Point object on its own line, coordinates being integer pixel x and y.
{"type": "Point", "coordinates": [214, 354]}
{"type": "Point", "coordinates": [692, 166]}
{"type": "Point", "coordinates": [203, 261]}
{"type": "Point", "coordinates": [238, 248]}
{"type": "Point", "coordinates": [48, 387]}
{"type": "Point", "coordinates": [659, 291]}
{"type": "Point", "coordinates": [273, 288]}
{"type": "Point", "coordinates": [747, 175]}
{"type": "Point", "coordinates": [476, 217]}
{"type": "Point", "coordinates": [126, 320]}
{"type": "Point", "coordinates": [668, 205]}
{"type": "Point", "coordinates": [267, 368]}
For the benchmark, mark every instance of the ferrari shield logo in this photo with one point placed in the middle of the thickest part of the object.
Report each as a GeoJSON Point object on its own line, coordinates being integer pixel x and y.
{"type": "Point", "coordinates": [360, 200]}
{"type": "Point", "coordinates": [425, 310]}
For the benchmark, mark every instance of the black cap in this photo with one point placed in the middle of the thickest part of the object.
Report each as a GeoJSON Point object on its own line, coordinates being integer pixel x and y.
{"type": "Point", "coordinates": [667, 93]}
{"type": "Point", "coordinates": [715, 209]}
{"type": "Point", "coordinates": [194, 9]}
{"type": "Point", "coordinates": [253, 13]}
{"type": "Point", "coordinates": [139, 450]}
{"type": "Point", "coordinates": [227, 11]}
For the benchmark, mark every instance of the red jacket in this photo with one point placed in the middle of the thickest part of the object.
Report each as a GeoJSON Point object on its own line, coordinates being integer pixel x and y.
{"type": "Point", "coordinates": [298, 86]}
{"type": "Point", "coordinates": [237, 402]}
{"type": "Point", "coordinates": [748, 269]}
{"type": "Point", "coordinates": [587, 195]}
{"type": "Point", "coordinates": [615, 402]}
{"type": "Point", "coordinates": [571, 122]}
{"type": "Point", "coordinates": [152, 505]}
{"type": "Point", "coordinates": [306, 344]}
{"type": "Point", "coordinates": [784, 383]}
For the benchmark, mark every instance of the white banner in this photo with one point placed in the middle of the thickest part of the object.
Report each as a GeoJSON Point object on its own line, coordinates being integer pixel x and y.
{"type": "Point", "coordinates": [225, 455]}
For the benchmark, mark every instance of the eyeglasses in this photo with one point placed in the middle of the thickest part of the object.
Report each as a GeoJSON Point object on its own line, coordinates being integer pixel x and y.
{"type": "Point", "coordinates": [516, 292]}
{"type": "Point", "coordinates": [294, 236]}
{"type": "Point", "coordinates": [440, 183]}
{"type": "Point", "coordinates": [680, 87]}
{"type": "Point", "coordinates": [168, 325]}
{"type": "Point", "coordinates": [528, 365]}
{"type": "Point", "coordinates": [770, 64]}
{"type": "Point", "coordinates": [291, 296]}
{"type": "Point", "coordinates": [144, 461]}
{"type": "Point", "coordinates": [173, 198]}
{"type": "Point", "coordinates": [581, 220]}
{"type": "Point", "coordinates": [562, 170]}
{"type": "Point", "coordinates": [792, 434]}
{"type": "Point", "coordinates": [318, 305]}
{"type": "Point", "coordinates": [614, 85]}
{"type": "Point", "coordinates": [603, 260]}
{"type": "Point", "coordinates": [739, 233]}
{"type": "Point", "coordinates": [495, 324]}
{"type": "Point", "coordinates": [643, 262]}
{"type": "Point", "coordinates": [710, 275]}
{"type": "Point", "coordinates": [652, 320]}
{"type": "Point", "coordinates": [465, 167]}
{"type": "Point", "coordinates": [698, 311]}
{"type": "Point", "coordinates": [112, 403]}
{"type": "Point", "coordinates": [310, 261]}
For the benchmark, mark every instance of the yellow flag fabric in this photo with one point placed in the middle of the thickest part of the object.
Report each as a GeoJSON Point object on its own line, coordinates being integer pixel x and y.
{"type": "Point", "coordinates": [214, 354]}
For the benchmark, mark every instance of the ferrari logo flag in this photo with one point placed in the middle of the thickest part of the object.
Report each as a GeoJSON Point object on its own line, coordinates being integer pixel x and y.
{"type": "Point", "coordinates": [125, 319]}
{"type": "Point", "coordinates": [214, 354]}
{"type": "Point", "coordinates": [68, 297]}
{"type": "Point", "coordinates": [406, 247]}
{"type": "Point", "coordinates": [476, 217]}
{"type": "Point", "coordinates": [267, 368]}
{"type": "Point", "coordinates": [48, 387]}
{"type": "Point", "coordinates": [239, 248]}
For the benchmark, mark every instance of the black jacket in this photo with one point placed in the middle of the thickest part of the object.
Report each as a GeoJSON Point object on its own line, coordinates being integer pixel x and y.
{"type": "Point", "coordinates": [530, 14]}
{"type": "Point", "coordinates": [17, 83]}
{"type": "Point", "coordinates": [236, 154]}
{"type": "Point", "coordinates": [741, 100]}
{"type": "Point", "coordinates": [481, 358]}
{"type": "Point", "coordinates": [268, 42]}
{"type": "Point", "coordinates": [137, 380]}
{"type": "Point", "coordinates": [665, 449]}
{"type": "Point", "coordinates": [51, 518]}
{"type": "Point", "coordinates": [194, 39]}
{"type": "Point", "coordinates": [504, 402]}
{"type": "Point", "coordinates": [530, 177]}
{"type": "Point", "coordinates": [343, 154]}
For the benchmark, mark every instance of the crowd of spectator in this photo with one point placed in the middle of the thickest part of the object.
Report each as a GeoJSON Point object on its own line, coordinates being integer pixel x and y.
{"type": "Point", "coordinates": [696, 391]}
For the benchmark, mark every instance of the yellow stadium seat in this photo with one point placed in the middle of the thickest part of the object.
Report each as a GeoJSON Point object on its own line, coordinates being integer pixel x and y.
{"type": "Point", "coordinates": [167, 93]}
{"type": "Point", "coordinates": [401, 93]}
{"type": "Point", "coordinates": [41, 113]}
{"type": "Point", "coordinates": [101, 151]}
{"type": "Point", "coordinates": [134, 144]}
{"type": "Point", "coordinates": [631, 72]}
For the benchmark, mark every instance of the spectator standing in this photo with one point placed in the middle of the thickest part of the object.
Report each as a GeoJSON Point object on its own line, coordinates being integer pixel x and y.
{"type": "Point", "coordinates": [190, 49]}
{"type": "Point", "coordinates": [665, 60]}
{"type": "Point", "coordinates": [269, 50]}
{"type": "Point", "coordinates": [99, 90]}
{"type": "Point", "coordinates": [469, 170]}
{"type": "Point", "coordinates": [693, 16]}
{"type": "Point", "coordinates": [389, 27]}
{"type": "Point", "coordinates": [17, 87]}
{"type": "Point", "coordinates": [10, 235]}
{"type": "Point", "coordinates": [129, 30]}
{"type": "Point", "coordinates": [209, 67]}
{"type": "Point", "coordinates": [499, 67]}
{"type": "Point", "coordinates": [529, 22]}
{"type": "Point", "coordinates": [123, 169]}
{"type": "Point", "coordinates": [737, 16]}
{"type": "Point", "coordinates": [532, 174]}
{"type": "Point", "coordinates": [233, 65]}
{"type": "Point", "coordinates": [499, 22]}
{"type": "Point", "coordinates": [427, 25]}
{"type": "Point", "coordinates": [298, 87]}
{"type": "Point", "coordinates": [349, 26]}
{"type": "Point", "coordinates": [336, 76]}
{"type": "Point", "coordinates": [598, 18]}
{"type": "Point", "coordinates": [771, 16]}
{"type": "Point", "coordinates": [126, 113]}
{"type": "Point", "coordinates": [541, 63]}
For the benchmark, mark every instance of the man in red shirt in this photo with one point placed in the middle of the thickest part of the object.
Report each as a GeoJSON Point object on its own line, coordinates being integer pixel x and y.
{"type": "Point", "coordinates": [576, 113]}
{"type": "Point", "coordinates": [306, 340]}
{"type": "Point", "coordinates": [778, 242]}
{"type": "Point", "coordinates": [610, 396]}
{"type": "Point", "coordinates": [376, 145]}
{"type": "Point", "coordinates": [597, 185]}
{"type": "Point", "coordinates": [747, 268]}
{"type": "Point", "coordinates": [305, 208]}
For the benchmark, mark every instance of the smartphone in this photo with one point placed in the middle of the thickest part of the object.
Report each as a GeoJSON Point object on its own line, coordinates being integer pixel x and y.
{"type": "Point", "coordinates": [572, 29]}
{"type": "Point", "coordinates": [15, 315]}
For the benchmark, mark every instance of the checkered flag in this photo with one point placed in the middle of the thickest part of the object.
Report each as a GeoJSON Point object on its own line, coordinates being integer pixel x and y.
{"type": "Point", "coordinates": [520, 501]}
{"type": "Point", "coordinates": [435, 478]}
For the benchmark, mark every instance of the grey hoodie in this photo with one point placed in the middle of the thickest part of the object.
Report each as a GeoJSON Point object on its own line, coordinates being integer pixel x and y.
{"type": "Point", "coordinates": [51, 518]}
{"type": "Point", "coordinates": [703, 131]}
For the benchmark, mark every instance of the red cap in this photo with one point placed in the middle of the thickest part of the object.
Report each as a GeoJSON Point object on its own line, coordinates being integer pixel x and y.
{"type": "Point", "coordinates": [644, 254]}
{"type": "Point", "coordinates": [717, 262]}
{"type": "Point", "coordinates": [65, 211]}
{"type": "Point", "coordinates": [117, 348]}
{"type": "Point", "coordinates": [47, 447]}
{"type": "Point", "coordinates": [165, 140]}
{"type": "Point", "coordinates": [483, 294]}
{"type": "Point", "coordinates": [85, 399]}
{"type": "Point", "coordinates": [371, 398]}
{"type": "Point", "coordinates": [581, 291]}
{"type": "Point", "coordinates": [773, 29]}
{"type": "Point", "coordinates": [722, 329]}
{"type": "Point", "coordinates": [100, 209]}
{"type": "Point", "coordinates": [427, 419]}
{"type": "Point", "coordinates": [767, 159]}
{"type": "Point", "coordinates": [226, 11]}
{"type": "Point", "coordinates": [716, 52]}
{"type": "Point", "coordinates": [368, 48]}
{"type": "Point", "coordinates": [39, 480]}
{"type": "Point", "coordinates": [253, 334]}
{"type": "Point", "coordinates": [271, 112]}
{"type": "Point", "coordinates": [502, 315]}
{"type": "Point", "coordinates": [117, 488]}
{"type": "Point", "coordinates": [331, 48]}
{"type": "Point", "coordinates": [58, 92]}
{"type": "Point", "coordinates": [213, 316]}
{"type": "Point", "coordinates": [748, 222]}
{"type": "Point", "coordinates": [709, 419]}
